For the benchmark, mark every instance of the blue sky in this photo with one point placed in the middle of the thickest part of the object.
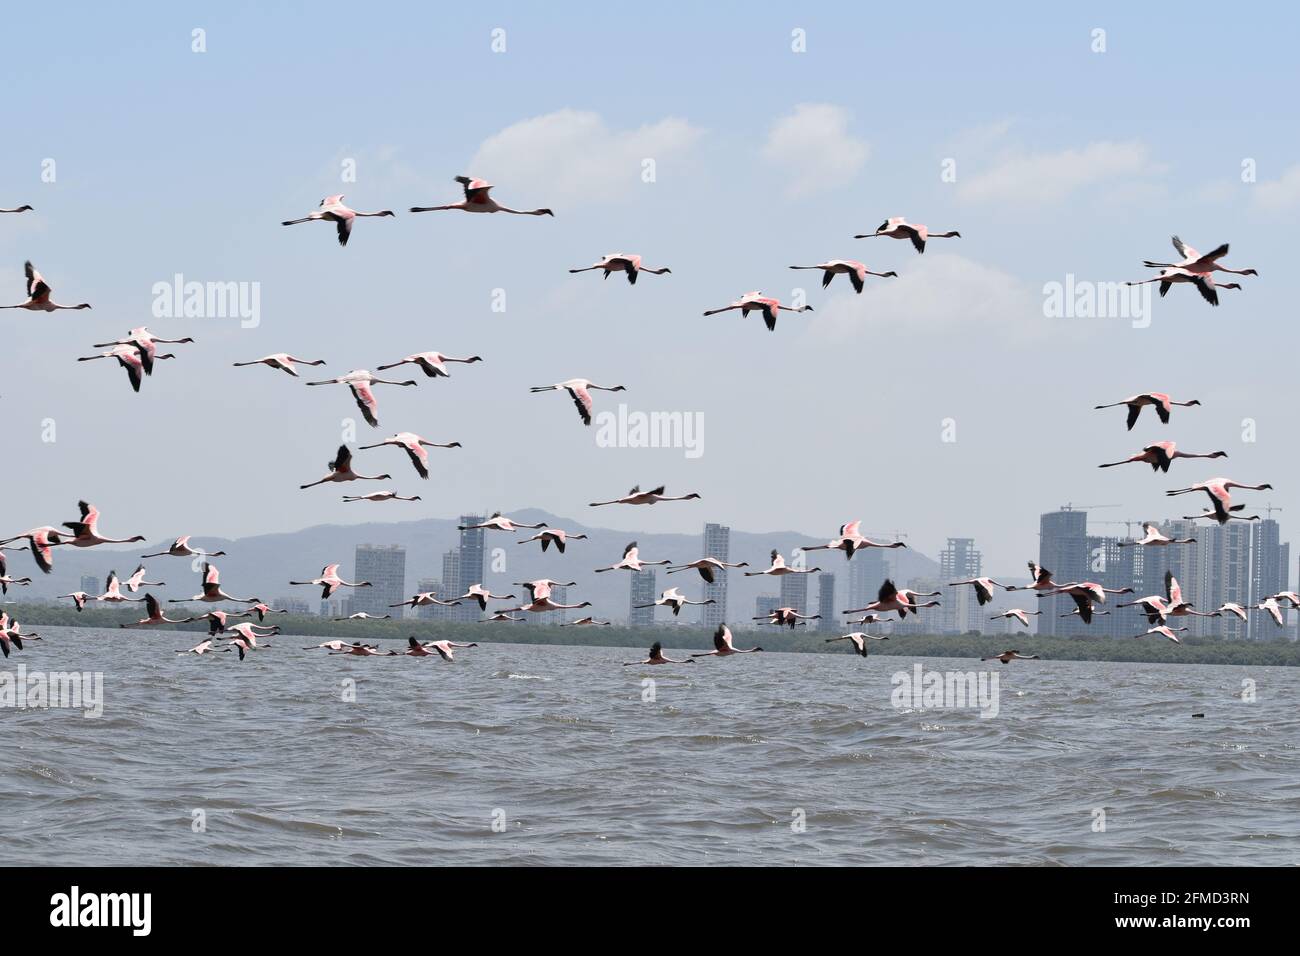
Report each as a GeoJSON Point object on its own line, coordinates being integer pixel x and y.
{"type": "Point", "coordinates": [1068, 161]}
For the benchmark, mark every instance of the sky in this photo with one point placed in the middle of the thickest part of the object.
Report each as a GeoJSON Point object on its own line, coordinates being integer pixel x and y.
{"type": "Point", "coordinates": [944, 402]}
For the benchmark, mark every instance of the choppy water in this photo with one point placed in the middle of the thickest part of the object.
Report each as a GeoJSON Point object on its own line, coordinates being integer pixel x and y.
{"type": "Point", "coordinates": [585, 771]}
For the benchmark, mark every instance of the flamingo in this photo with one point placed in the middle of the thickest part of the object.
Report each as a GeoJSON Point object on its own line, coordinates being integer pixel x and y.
{"type": "Point", "coordinates": [868, 619]}
{"type": "Point", "coordinates": [501, 616]}
{"type": "Point", "coordinates": [1203, 281]}
{"type": "Point", "coordinates": [136, 580]}
{"type": "Point", "coordinates": [587, 622]}
{"type": "Point", "coordinates": [1161, 402]}
{"type": "Point", "coordinates": [38, 294]}
{"type": "Point", "coordinates": [240, 645]}
{"type": "Point", "coordinates": [247, 632]}
{"type": "Point", "coordinates": [5, 579]}
{"type": "Point", "coordinates": [756, 301]}
{"type": "Point", "coordinates": [623, 262]}
{"type": "Point", "coordinates": [42, 540]}
{"type": "Point", "coordinates": [146, 345]}
{"type": "Point", "coordinates": [22, 208]}
{"type": "Point", "coordinates": [1154, 538]}
{"type": "Point", "coordinates": [330, 582]}
{"type": "Point", "coordinates": [113, 591]}
{"type": "Point", "coordinates": [541, 605]}
{"type": "Point", "coordinates": [127, 356]}
{"type": "Point", "coordinates": [341, 470]}
{"type": "Point", "coordinates": [1233, 608]}
{"type": "Point", "coordinates": [1084, 595]}
{"type": "Point", "coordinates": [1164, 631]}
{"type": "Point", "coordinates": [359, 650]}
{"type": "Point", "coordinates": [1291, 597]}
{"type": "Point", "coordinates": [414, 447]}
{"type": "Point", "coordinates": [631, 561]}
{"type": "Point", "coordinates": [674, 599]}
{"type": "Point", "coordinates": [1042, 580]}
{"type": "Point", "coordinates": [1273, 608]}
{"type": "Point", "coordinates": [202, 647]}
{"type": "Point", "coordinates": [180, 548]}
{"type": "Point", "coordinates": [786, 617]}
{"type": "Point", "coordinates": [359, 381]}
{"type": "Point", "coordinates": [910, 597]}
{"type": "Point", "coordinates": [335, 645]}
{"type": "Point", "coordinates": [540, 590]}
{"type": "Point", "coordinates": [79, 598]}
{"type": "Point", "coordinates": [426, 599]}
{"type": "Point", "coordinates": [1161, 455]}
{"type": "Point", "coordinates": [332, 210]}
{"type": "Point", "coordinates": [7, 637]}
{"type": "Point", "coordinates": [1220, 492]}
{"type": "Point", "coordinates": [1006, 657]}
{"type": "Point", "coordinates": [216, 621]}
{"type": "Point", "coordinates": [477, 200]}
{"type": "Point", "coordinates": [888, 598]}
{"type": "Point", "coordinates": [556, 536]}
{"type": "Point", "coordinates": [652, 497]}
{"type": "Point", "coordinates": [579, 390]}
{"type": "Point", "coordinates": [1193, 261]}
{"type": "Point", "coordinates": [444, 648]}
{"type": "Point", "coordinates": [381, 496]}
{"type": "Point", "coordinates": [499, 522]}
{"type": "Point", "coordinates": [154, 615]}
{"type": "Point", "coordinates": [281, 360]}
{"type": "Point", "coordinates": [261, 610]}
{"type": "Point", "coordinates": [363, 616]}
{"type": "Point", "coordinates": [898, 227]}
{"type": "Point", "coordinates": [856, 271]}
{"type": "Point", "coordinates": [1020, 615]}
{"type": "Point", "coordinates": [655, 656]}
{"type": "Point", "coordinates": [723, 646]}
{"type": "Point", "coordinates": [433, 363]}
{"type": "Point", "coordinates": [707, 566]}
{"type": "Point", "coordinates": [983, 588]}
{"type": "Point", "coordinates": [85, 533]}
{"type": "Point", "coordinates": [850, 540]}
{"type": "Point", "coordinates": [859, 640]}
{"type": "Point", "coordinates": [779, 567]}
{"type": "Point", "coordinates": [477, 592]}
{"type": "Point", "coordinates": [212, 592]}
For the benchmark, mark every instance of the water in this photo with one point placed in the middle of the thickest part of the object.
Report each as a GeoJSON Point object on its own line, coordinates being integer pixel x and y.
{"type": "Point", "coordinates": [712, 772]}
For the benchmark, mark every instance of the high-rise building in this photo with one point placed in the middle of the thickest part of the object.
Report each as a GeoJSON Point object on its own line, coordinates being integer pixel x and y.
{"type": "Point", "coordinates": [867, 571]}
{"type": "Point", "coordinates": [448, 591]}
{"type": "Point", "coordinates": [764, 604]}
{"type": "Point", "coordinates": [1269, 562]}
{"type": "Point", "coordinates": [1063, 550]}
{"type": "Point", "coordinates": [560, 595]}
{"type": "Point", "coordinates": [826, 602]}
{"type": "Point", "coordinates": [471, 569]}
{"type": "Point", "coordinates": [1225, 562]}
{"type": "Point", "coordinates": [794, 592]}
{"type": "Point", "coordinates": [384, 566]}
{"type": "Point", "coordinates": [1112, 565]}
{"type": "Point", "coordinates": [429, 612]}
{"type": "Point", "coordinates": [960, 611]}
{"type": "Point", "coordinates": [717, 544]}
{"type": "Point", "coordinates": [642, 591]}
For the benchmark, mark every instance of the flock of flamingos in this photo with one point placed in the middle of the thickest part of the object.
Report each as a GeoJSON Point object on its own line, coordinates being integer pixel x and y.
{"type": "Point", "coordinates": [137, 353]}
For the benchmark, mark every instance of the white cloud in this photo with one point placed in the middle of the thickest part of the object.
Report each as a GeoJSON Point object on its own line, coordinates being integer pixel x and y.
{"type": "Point", "coordinates": [815, 148]}
{"type": "Point", "coordinates": [569, 156]}
{"type": "Point", "coordinates": [1023, 177]}
{"type": "Point", "coordinates": [1279, 194]}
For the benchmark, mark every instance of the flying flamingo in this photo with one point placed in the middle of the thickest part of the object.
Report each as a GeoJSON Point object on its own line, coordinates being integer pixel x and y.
{"type": "Point", "coordinates": [631, 561]}
{"type": "Point", "coordinates": [898, 227]}
{"type": "Point", "coordinates": [128, 356]}
{"type": "Point", "coordinates": [1291, 597]}
{"type": "Point", "coordinates": [202, 647]}
{"type": "Point", "coordinates": [779, 567]}
{"type": "Point", "coordinates": [556, 536]}
{"type": "Point", "coordinates": [1203, 281]}
{"type": "Point", "coordinates": [335, 645]}
{"type": "Point", "coordinates": [587, 622]}
{"type": "Point", "coordinates": [363, 616]}
{"type": "Point", "coordinates": [261, 610]}
{"type": "Point", "coordinates": [579, 390]}
{"type": "Point", "coordinates": [850, 540]}
{"type": "Point", "coordinates": [500, 616]}
{"type": "Point", "coordinates": [540, 590]}
{"type": "Point", "coordinates": [1161, 402]}
{"type": "Point", "coordinates": [477, 592]}
{"type": "Point", "coordinates": [656, 656]}
{"type": "Point", "coordinates": [6, 638]}
{"type": "Point", "coordinates": [859, 640]}
{"type": "Point", "coordinates": [1220, 492]}
{"type": "Point", "coordinates": [911, 596]}
{"type": "Point", "coordinates": [1164, 631]}
{"type": "Point", "coordinates": [1020, 615]}
{"type": "Point", "coordinates": [756, 301]}
{"type": "Point", "coordinates": [216, 621]}
{"type": "Point", "coordinates": [240, 645]}
{"type": "Point", "coordinates": [358, 650]}
{"type": "Point", "coordinates": [1273, 608]}
{"type": "Point", "coordinates": [113, 591]}
{"type": "Point", "coordinates": [154, 615]}
{"type": "Point", "coordinates": [281, 360]}
{"type": "Point", "coordinates": [786, 617]}
{"type": "Point", "coordinates": [1006, 657]}
{"type": "Point", "coordinates": [1154, 538]}
{"type": "Point", "coordinates": [623, 262]}
{"type": "Point", "coordinates": [1161, 455]}
{"type": "Point", "coordinates": [85, 533]}
{"type": "Point", "coordinates": [79, 598]}
{"type": "Point", "coordinates": [329, 582]}
{"type": "Point", "coordinates": [1233, 608]}
{"type": "Point", "coordinates": [856, 271]}
{"type": "Point", "coordinates": [212, 592]}
{"type": "Point", "coordinates": [38, 294]}
{"type": "Point", "coordinates": [723, 646]}
{"type": "Point", "coordinates": [707, 566]}
{"type": "Point", "coordinates": [341, 470]}
{"type": "Point", "coordinates": [426, 599]}
{"type": "Point", "coordinates": [136, 580]}
{"type": "Point", "coordinates": [983, 588]}
{"type": "Point", "coordinates": [888, 598]}
{"type": "Point", "coordinates": [42, 541]}
{"type": "Point", "coordinates": [180, 548]}
{"type": "Point", "coordinates": [499, 522]}
{"type": "Point", "coordinates": [1085, 594]}
{"type": "Point", "coordinates": [5, 580]}
{"type": "Point", "coordinates": [381, 496]}
{"type": "Point", "coordinates": [1042, 580]}
{"type": "Point", "coordinates": [443, 648]}
{"type": "Point", "coordinates": [22, 208]}
{"type": "Point", "coordinates": [359, 381]}
{"type": "Point", "coordinates": [674, 599]}
{"type": "Point", "coordinates": [652, 497]}
{"type": "Point", "coordinates": [543, 604]}
{"type": "Point", "coordinates": [332, 210]}
{"type": "Point", "coordinates": [433, 363]}
{"type": "Point", "coordinates": [146, 345]}
{"type": "Point", "coordinates": [414, 446]}
{"type": "Point", "coordinates": [1193, 261]}
{"type": "Point", "coordinates": [477, 200]}
{"type": "Point", "coordinates": [247, 631]}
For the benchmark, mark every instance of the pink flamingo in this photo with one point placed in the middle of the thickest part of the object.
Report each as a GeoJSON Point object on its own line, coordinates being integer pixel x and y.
{"type": "Point", "coordinates": [426, 599]}
{"type": "Point", "coordinates": [414, 446]}
{"type": "Point", "coordinates": [899, 228]}
{"type": "Point", "coordinates": [381, 496]}
{"type": "Point", "coordinates": [778, 567]}
{"type": "Point", "coordinates": [579, 390]}
{"type": "Point", "coordinates": [85, 533]}
{"type": "Point", "coordinates": [1203, 281]}
{"type": "Point", "coordinates": [623, 262]}
{"type": "Point", "coordinates": [136, 580]}
{"type": "Point", "coordinates": [786, 617]}
{"type": "Point", "coordinates": [499, 522]}
{"type": "Point", "coordinates": [341, 470]}
{"type": "Point", "coordinates": [212, 592]}
{"type": "Point", "coordinates": [850, 540]}
{"type": "Point", "coordinates": [128, 356]}
{"type": "Point", "coordinates": [983, 588]}
{"type": "Point", "coordinates": [477, 200]}
{"type": "Point", "coordinates": [1154, 538]}
{"type": "Point", "coordinates": [1006, 657]}
{"type": "Point", "coordinates": [146, 344]}
{"type": "Point", "coordinates": [332, 210]}
{"type": "Point", "coordinates": [330, 582]}
{"type": "Point", "coordinates": [42, 541]}
{"type": "Point", "coordinates": [154, 615]}
{"type": "Point", "coordinates": [22, 208]}
{"type": "Point", "coordinates": [1020, 615]}
{"type": "Point", "coordinates": [856, 271]}
{"type": "Point", "coordinates": [756, 301]}
{"type": "Point", "coordinates": [433, 363]}
{"type": "Point", "coordinates": [1193, 261]}
{"type": "Point", "coordinates": [656, 656]}
{"type": "Point", "coordinates": [180, 548]}
{"type": "Point", "coordinates": [859, 640]}
{"type": "Point", "coordinates": [359, 381]}
{"type": "Point", "coordinates": [1220, 492]}
{"type": "Point", "coordinates": [1161, 455]}
{"type": "Point", "coordinates": [631, 561]}
{"type": "Point", "coordinates": [480, 594]}
{"type": "Point", "coordinates": [555, 536]}
{"type": "Point", "coordinates": [652, 497]}
{"type": "Point", "coordinates": [673, 598]}
{"type": "Point", "coordinates": [113, 591]}
{"type": "Point", "coordinates": [281, 360]}
{"type": "Point", "coordinates": [707, 566]}
{"type": "Point", "coordinates": [1161, 402]}
{"type": "Point", "coordinates": [38, 294]}
{"type": "Point", "coordinates": [723, 645]}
